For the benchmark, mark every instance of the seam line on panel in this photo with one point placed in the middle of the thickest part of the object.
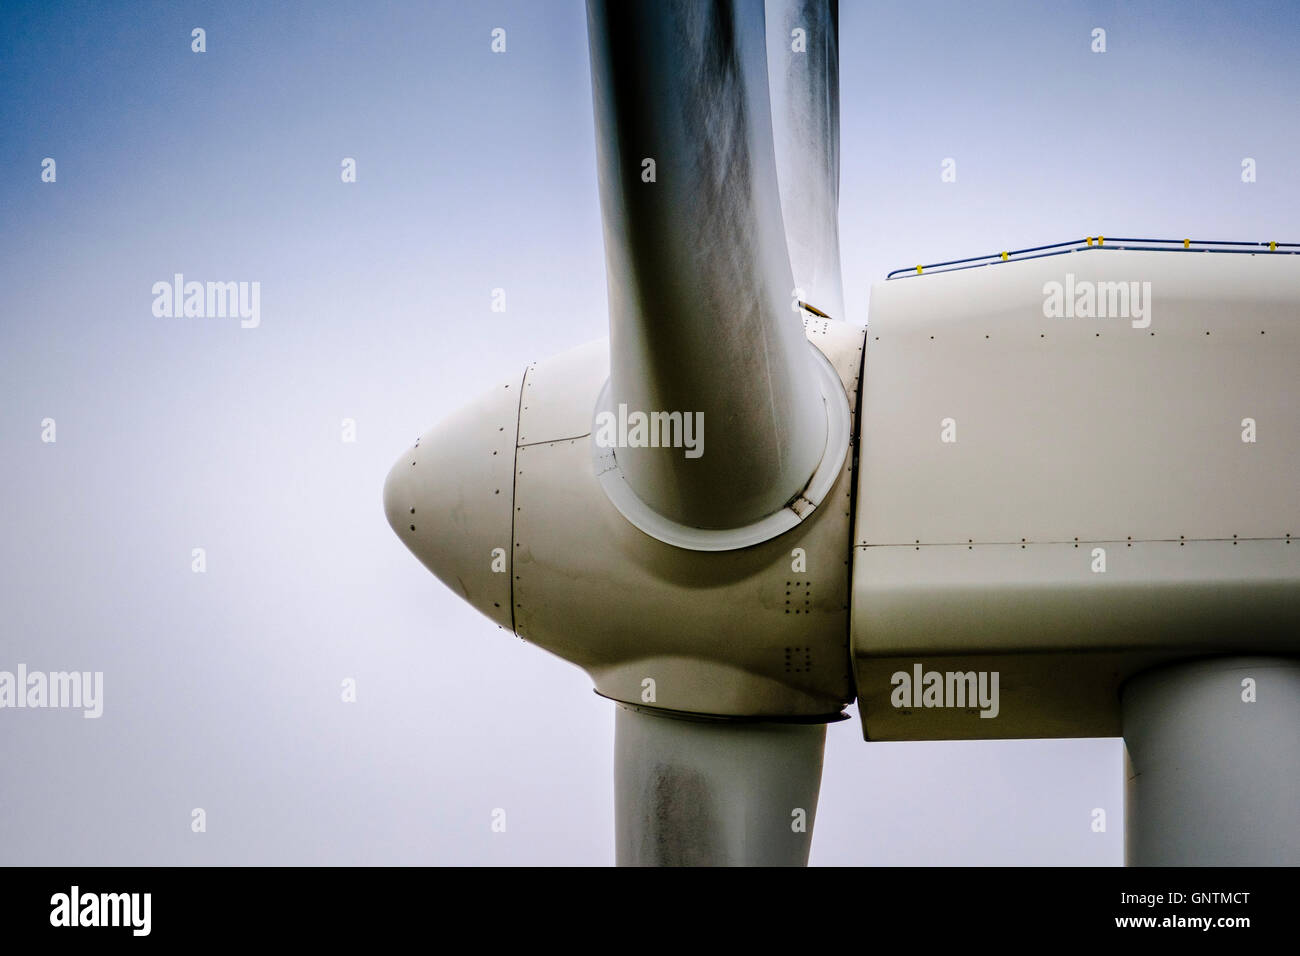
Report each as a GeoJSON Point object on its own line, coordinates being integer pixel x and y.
{"type": "Point", "coordinates": [514, 495]}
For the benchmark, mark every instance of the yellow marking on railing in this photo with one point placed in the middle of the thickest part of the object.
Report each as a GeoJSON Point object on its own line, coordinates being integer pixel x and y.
{"type": "Point", "coordinates": [1186, 243]}
{"type": "Point", "coordinates": [1090, 240]}
{"type": "Point", "coordinates": [1272, 247]}
{"type": "Point", "coordinates": [1004, 257]}
{"type": "Point", "coordinates": [918, 270]}
{"type": "Point", "coordinates": [1101, 240]}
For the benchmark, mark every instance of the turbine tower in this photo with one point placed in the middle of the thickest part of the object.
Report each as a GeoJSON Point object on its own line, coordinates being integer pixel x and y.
{"type": "Point", "coordinates": [740, 513]}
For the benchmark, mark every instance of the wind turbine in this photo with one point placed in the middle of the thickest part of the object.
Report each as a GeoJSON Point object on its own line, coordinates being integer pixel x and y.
{"type": "Point", "coordinates": [1064, 475]}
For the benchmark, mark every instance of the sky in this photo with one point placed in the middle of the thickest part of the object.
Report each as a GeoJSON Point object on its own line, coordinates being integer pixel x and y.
{"type": "Point", "coordinates": [475, 171]}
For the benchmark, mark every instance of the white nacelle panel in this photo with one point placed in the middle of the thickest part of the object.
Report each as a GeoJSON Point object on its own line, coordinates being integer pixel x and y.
{"type": "Point", "coordinates": [1073, 467]}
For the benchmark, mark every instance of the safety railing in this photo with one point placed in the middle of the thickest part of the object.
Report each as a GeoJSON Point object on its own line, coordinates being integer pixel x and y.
{"type": "Point", "coordinates": [1100, 242]}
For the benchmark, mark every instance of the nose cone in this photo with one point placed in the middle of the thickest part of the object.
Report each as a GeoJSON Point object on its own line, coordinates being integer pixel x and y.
{"type": "Point", "coordinates": [450, 499]}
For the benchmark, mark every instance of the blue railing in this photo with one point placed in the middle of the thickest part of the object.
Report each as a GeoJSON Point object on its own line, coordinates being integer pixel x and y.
{"type": "Point", "coordinates": [1101, 242]}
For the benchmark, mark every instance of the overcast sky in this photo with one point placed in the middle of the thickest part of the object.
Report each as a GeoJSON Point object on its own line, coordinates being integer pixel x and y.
{"type": "Point", "coordinates": [475, 171]}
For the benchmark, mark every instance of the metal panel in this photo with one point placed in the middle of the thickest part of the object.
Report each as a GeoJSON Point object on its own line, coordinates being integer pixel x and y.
{"type": "Point", "coordinates": [449, 498]}
{"type": "Point", "coordinates": [1075, 434]}
{"type": "Point", "coordinates": [1084, 427]}
{"type": "Point", "coordinates": [560, 393]}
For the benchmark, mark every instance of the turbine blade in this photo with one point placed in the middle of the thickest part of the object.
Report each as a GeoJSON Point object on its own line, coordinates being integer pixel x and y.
{"type": "Point", "coordinates": [714, 792]}
{"type": "Point", "coordinates": [803, 62]}
{"type": "Point", "coordinates": [702, 317]}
